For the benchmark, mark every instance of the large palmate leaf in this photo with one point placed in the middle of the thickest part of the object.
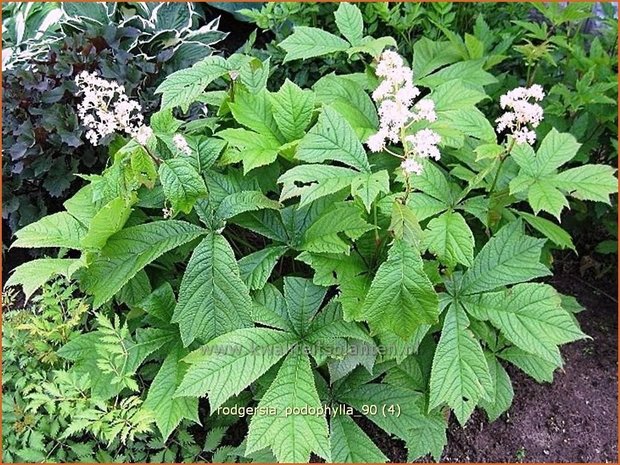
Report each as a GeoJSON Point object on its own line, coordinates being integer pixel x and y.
{"type": "Point", "coordinates": [169, 411]}
{"type": "Point", "coordinates": [292, 110]}
{"type": "Point", "coordinates": [350, 444]}
{"type": "Point", "coordinates": [333, 138]}
{"type": "Point", "coordinates": [230, 363]}
{"type": "Point", "coordinates": [240, 202]}
{"type": "Point", "coordinates": [401, 297]}
{"type": "Point", "coordinates": [57, 230]}
{"type": "Point", "coordinates": [183, 87]}
{"type": "Point", "coordinates": [530, 316]}
{"type": "Point", "coordinates": [281, 425]}
{"type": "Point", "coordinates": [310, 42]}
{"type": "Point", "coordinates": [303, 300]}
{"type": "Point", "coordinates": [182, 184]}
{"type": "Point", "coordinates": [509, 257]}
{"type": "Point", "coordinates": [213, 299]}
{"type": "Point", "coordinates": [546, 188]}
{"type": "Point", "coordinates": [460, 375]}
{"type": "Point", "coordinates": [130, 250]}
{"type": "Point", "coordinates": [450, 238]}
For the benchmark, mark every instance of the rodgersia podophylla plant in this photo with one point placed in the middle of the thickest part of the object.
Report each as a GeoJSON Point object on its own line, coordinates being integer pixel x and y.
{"type": "Point", "coordinates": [290, 278]}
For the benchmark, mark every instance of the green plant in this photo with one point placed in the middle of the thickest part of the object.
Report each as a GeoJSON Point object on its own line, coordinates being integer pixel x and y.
{"type": "Point", "coordinates": [261, 258]}
{"type": "Point", "coordinates": [136, 44]}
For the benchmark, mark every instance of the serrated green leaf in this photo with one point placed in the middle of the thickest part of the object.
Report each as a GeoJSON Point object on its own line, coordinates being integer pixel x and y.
{"type": "Point", "coordinates": [57, 230]}
{"type": "Point", "coordinates": [254, 111]}
{"type": "Point", "coordinates": [543, 196]}
{"type": "Point", "coordinates": [555, 150]}
{"type": "Point", "coordinates": [509, 257]}
{"type": "Point", "coordinates": [181, 183]}
{"type": "Point", "coordinates": [303, 300]}
{"type": "Point", "coordinates": [456, 95]}
{"type": "Point", "coordinates": [384, 396]}
{"type": "Point", "coordinates": [531, 317]}
{"type": "Point", "coordinates": [502, 389]}
{"type": "Point", "coordinates": [292, 110]}
{"type": "Point", "coordinates": [404, 224]}
{"type": "Point", "coordinates": [329, 233]}
{"type": "Point", "coordinates": [33, 274]}
{"type": "Point", "coordinates": [130, 250]}
{"type": "Point", "coordinates": [588, 182]}
{"type": "Point", "coordinates": [333, 138]}
{"type": "Point", "coordinates": [349, 22]}
{"type": "Point", "coordinates": [256, 267]}
{"type": "Point", "coordinates": [350, 444]}
{"type": "Point", "coordinates": [240, 202]}
{"type": "Point", "coordinates": [373, 47]}
{"type": "Point", "coordinates": [255, 149]}
{"type": "Point", "coordinates": [213, 299]}
{"type": "Point", "coordinates": [460, 374]}
{"type": "Point", "coordinates": [81, 206]}
{"type": "Point", "coordinates": [401, 297]}
{"type": "Point", "coordinates": [168, 410]}
{"type": "Point", "coordinates": [160, 303]}
{"type": "Point", "coordinates": [311, 182]}
{"type": "Point", "coordinates": [310, 42]}
{"type": "Point", "coordinates": [230, 363]}
{"type": "Point", "coordinates": [550, 230]}
{"type": "Point", "coordinates": [538, 368]}
{"type": "Point", "coordinates": [183, 87]}
{"type": "Point", "coordinates": [449, 237]}
{"type": "Point", "coordinates": [429, 437]}
{"type": "Point", "coordinates": [291, 435]}
{"type": "Point", "coordinates": [108, 221]}
{"type": "Point", "coordinates": [368, 186]}
{"type": "Point", "coordinates": [348, 98]}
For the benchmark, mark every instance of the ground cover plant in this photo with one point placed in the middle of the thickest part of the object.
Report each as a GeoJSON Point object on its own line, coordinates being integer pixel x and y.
{"type": "Point", "coordinates": [270, 259]}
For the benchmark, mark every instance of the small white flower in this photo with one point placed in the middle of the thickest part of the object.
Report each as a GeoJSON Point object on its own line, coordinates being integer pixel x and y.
{"type": "Point", "coordinates": [411, 166]}
{"type": "Point", "coordinates": [181, 144]}
{"type": "Point", "coordinates": [522, 115]}
{"type": "Point", "coordinates": [376, 142]}
{"type": "Point", "coordinates": [166, 212]}
{"type": "Point", "coordinates": [424, 144]}
{"type": "Point", "coordinates": [144, 134]}
{"type": "Point", "coordinates": [105, 108]}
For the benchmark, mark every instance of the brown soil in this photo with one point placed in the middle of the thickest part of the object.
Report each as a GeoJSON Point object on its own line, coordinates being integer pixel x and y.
{"type": "Point", "coordinates": [573, 419]}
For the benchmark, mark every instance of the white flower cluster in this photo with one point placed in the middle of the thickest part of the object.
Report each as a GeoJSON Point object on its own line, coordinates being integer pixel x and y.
{"type": "Point", "coordinates": [395, 97]}
{"type": "Point", "coordinates": [106, 109]}
{"type": "Point", "coordinates": [523, 113]}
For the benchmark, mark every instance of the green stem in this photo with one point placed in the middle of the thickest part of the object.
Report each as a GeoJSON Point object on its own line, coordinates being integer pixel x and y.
{"type": "Point", "coordinates": [502, 159]}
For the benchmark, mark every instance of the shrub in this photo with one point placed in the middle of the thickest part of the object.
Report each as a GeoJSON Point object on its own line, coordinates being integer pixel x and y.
{"type": "Point", "coordinates": [260, 257]}
{"type": "Point", "coordinates": [40, 126]}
